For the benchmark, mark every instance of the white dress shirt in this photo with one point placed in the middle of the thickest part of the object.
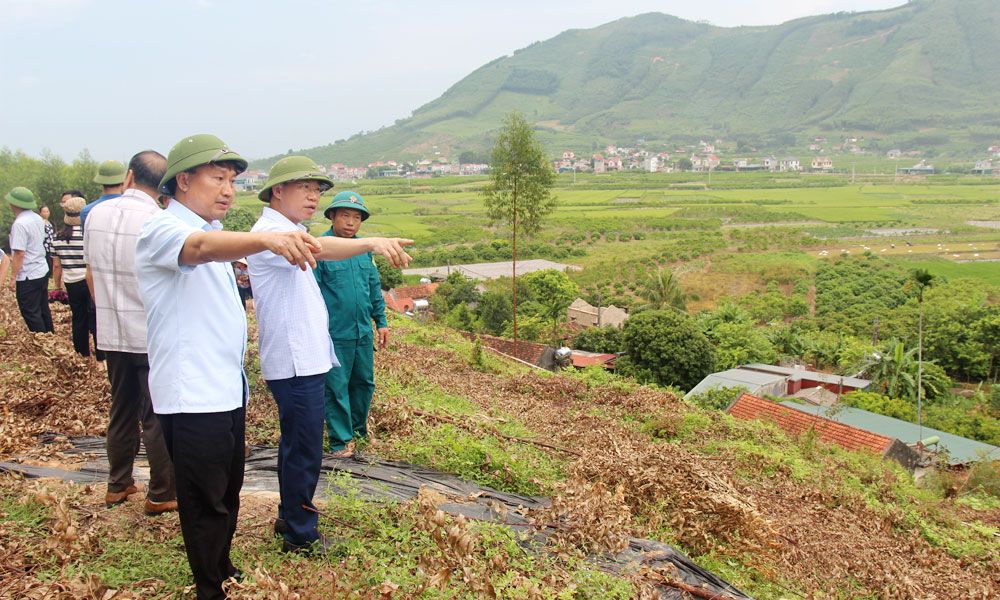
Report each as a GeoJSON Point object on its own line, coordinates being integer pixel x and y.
{"type": "Point", "coordinates": [27, 233]}
{"type": "Point", "coordinates": [196, 327]}
{"type": "Point", "coordinates": [291, 315]}
{"type": "Point", "coordinates": [109, 250]}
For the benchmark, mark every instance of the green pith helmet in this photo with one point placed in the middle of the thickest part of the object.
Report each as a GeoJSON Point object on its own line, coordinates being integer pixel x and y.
{"type": "Point", "coordinates": [22, 197]}
{"type": "Point", "coordinates": [293, 168]}
{"type": "Point", "coordinates": [194, 151]}
{"type": "Point", "coordinates": [111, 172]}
{"type": "Point", "coordinates": [348, 199]}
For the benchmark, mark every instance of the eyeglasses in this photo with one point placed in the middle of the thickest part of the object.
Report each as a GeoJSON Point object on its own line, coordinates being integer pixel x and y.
{"type": "Point", "coordinates": [312, 187]}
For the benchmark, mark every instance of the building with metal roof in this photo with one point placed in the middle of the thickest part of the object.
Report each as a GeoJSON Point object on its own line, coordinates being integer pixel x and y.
{"type": "Point", "coordinates": [493, 270]}
{"type": "Point", "coordinates": [829, 381]}
{"type": "Point", "coordinates": [959, 450]}
{"type": "Point", "coordinates": [771, 380]}
{"type": "Point", "coordinates": [755, 382]}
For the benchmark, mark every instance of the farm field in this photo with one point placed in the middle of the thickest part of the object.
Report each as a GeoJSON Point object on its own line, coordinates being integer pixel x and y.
{"type": "Point", "coordinates": [729, 237]}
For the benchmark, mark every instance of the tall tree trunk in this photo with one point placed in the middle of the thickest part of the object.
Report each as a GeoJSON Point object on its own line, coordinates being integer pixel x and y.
{"type": "Point", "coordinates": [513, 273]}
{"type": "Point", "coordinates": [920, 366]}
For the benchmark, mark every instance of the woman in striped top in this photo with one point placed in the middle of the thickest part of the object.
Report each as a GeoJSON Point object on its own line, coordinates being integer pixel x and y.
{"type": "Point", "coordinates": [68, 268]}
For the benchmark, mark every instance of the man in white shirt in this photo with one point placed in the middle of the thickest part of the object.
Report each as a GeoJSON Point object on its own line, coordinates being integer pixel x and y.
{"type": "Point", "coordinates": [295, 347]}
{"type": "Point", "coordinates": [196, 335]}
{"type": "Point", "coordinates": [196, 339]}
{"type": "Point", "coordinates": [109, 251]}
{"type": "Point", "coordinates": [30, 270]}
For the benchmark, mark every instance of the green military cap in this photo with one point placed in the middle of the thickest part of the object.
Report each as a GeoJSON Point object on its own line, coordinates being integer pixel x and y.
{"type": "Point", "coordinates": [22, 197]}
{"type": "Point", "coordinates": [194, 151]}
{"type": "Point", "coordinates": [348, 199]}
{"type": "Point", "coordinates": [293, 168]}
{"type": "Point", "coordinates": [111, 172]}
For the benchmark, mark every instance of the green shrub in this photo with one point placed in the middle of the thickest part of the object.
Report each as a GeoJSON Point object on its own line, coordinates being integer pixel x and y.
{"type": "Point", "coordinates": [666, 347]}
{"type": "Point", "coordinates": [717, 398]}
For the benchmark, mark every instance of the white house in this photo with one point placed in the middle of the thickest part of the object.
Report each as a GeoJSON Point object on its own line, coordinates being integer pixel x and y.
{"type": "Point", "coordinates": [789, 163]}
{"type": "Point", "coordinates": [822, 163]}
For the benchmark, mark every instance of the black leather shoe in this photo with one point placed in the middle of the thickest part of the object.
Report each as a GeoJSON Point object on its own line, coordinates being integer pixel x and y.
{"type": "Point", "coordinates": [320, 546]}
{"type": "Point", "coordinates": [237, 575]}
{"type": "Point", "coordinates": [280, 527]}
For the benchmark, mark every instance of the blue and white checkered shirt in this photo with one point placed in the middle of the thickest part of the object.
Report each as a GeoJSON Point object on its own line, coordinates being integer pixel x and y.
{"type": "Point", "coordinates": [196, 326]}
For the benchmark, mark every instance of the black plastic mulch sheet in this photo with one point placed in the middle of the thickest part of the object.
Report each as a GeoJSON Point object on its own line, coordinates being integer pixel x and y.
{"type": "Point", "coordinates": [382, 480]}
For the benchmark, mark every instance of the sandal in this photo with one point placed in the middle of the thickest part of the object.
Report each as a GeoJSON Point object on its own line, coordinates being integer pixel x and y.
{"type": "Point", "coordinates": [345, 453]}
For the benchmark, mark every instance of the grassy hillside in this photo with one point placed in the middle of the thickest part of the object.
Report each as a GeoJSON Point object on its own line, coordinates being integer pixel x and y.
{"type": "Point", "coordinates": [780, 517]}
{"type": "Point", "coordinates": [918, 76]}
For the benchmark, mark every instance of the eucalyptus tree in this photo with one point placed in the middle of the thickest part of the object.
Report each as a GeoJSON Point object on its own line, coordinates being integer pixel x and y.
{"type": "Point", "coordinates": [519, 192]}
{"type": "Point", "coordinates": [921, 279]}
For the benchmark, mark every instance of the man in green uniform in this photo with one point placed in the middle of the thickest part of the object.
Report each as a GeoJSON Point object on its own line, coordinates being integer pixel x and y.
{"type": "Point", "coordinates": [353, 294]}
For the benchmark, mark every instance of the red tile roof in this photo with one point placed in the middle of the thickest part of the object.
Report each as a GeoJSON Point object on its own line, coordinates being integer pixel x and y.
{"type": "Point", "coordinates": [401, 299]}
{"type": "Point", "coordinates": [401, 305]}
{"type": "Point", "coordinates": [589, 359]}
{"type": "Point", "coordinates": [529, 352]}
{"type": "Point", "coordinates": [424, 290]}
{"type": "Point", "coordinates": [797, 422]}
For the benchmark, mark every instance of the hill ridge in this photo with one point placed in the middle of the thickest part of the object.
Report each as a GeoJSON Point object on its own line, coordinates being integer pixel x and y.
{"type": "Point", "coordinates": [912, 77]}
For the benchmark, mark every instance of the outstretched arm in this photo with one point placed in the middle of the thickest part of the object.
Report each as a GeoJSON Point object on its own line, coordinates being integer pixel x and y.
{"type": "Point", "coordinates": [297, 247]}
{"type": "Point", "coordinates": [336, 248]}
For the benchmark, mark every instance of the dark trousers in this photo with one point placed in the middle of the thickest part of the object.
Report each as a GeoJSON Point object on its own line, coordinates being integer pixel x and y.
{"type": "Point", "coordinates": [130, 419]}
{"type": "Point", "coordinates": [207, 450]}
{"type": "Point", "coordinates": [33, 301]}
{"type": "Point", "coordinates": [81, 305]}
{"type": "Point", "coordinates": [245, 294]}
{"type": "Point", "coordinates": [300, 452]}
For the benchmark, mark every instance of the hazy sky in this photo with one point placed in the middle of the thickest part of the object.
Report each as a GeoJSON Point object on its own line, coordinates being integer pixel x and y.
{"type": "Point", "coordinates": [117, 76]}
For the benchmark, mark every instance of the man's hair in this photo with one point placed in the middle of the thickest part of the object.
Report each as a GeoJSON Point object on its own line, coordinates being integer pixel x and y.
{"type": "Point", "coordinates": [73, 194]}
{"type": "Point", "coordinates": [148, 168]}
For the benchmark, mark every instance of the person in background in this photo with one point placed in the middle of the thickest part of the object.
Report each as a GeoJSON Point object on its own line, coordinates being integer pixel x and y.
{"type": "Point", "coordinates": [111, 175]}
{"type": "Point", "coordinates": [109, 251]}
{"type": "Point", "coordinates": [69, 194]}
{"type": "Point", "coordinates": [69, 270]}
{"type": "Point", "coordinates": [243, 280]}
{"type": "Point", "coordinates": [352, 292]}
{"type": "Point", "coordinates": [30, 273]}
{"type": "Point", "coordinates": [50, 234]}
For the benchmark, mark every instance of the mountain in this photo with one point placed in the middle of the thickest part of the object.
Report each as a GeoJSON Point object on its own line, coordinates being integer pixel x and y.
{"type": "Point", "coordinates": [923, 75]}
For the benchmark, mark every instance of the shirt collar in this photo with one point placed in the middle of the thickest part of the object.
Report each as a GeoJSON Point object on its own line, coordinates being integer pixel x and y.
{"type": "Point", "coordinates": [108, 196]}
{"type": "Point", "coordinates": [188, 216]}
{"type": "Point", "coordinates": [329, 233]}
{"type": "Point", "coordinates": [140, 196]}
{"type": "Point", "coordinates": [272, 215]}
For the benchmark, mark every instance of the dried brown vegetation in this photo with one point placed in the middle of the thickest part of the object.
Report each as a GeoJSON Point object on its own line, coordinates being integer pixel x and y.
{"type": "Point", "coordinates": [623, 479]}
{"type": "Point", "coordinates": [44, 385]}
{"type": "Point", "coordinates": [808, 532]}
